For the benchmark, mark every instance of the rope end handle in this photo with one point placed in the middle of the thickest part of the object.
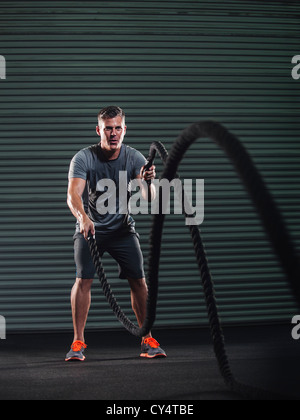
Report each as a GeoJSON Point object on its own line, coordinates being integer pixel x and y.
{"type": "Point", "coordinates": [150, 160]}
{"type": "Point", "coordinates": [91, 237]}
{"type": "Point", "coordinates": [147, 166]}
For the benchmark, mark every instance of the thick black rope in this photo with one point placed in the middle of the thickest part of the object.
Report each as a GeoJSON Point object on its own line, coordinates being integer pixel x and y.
{"type": "Point", "coordinates": [152, 277]}
{"type": "Point", "coordinates": [272, 221]}
{"type": "Point", "coordinates": [259, 193]}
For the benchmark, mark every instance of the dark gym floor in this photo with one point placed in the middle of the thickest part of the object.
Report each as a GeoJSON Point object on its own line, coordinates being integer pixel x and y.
{"type": "Point", "coordinates": [32, 366]}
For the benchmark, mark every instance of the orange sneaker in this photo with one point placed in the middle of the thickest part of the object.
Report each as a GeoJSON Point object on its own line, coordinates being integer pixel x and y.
{"type": "Point", "coordinates": [150, 349]}
{"type": "Point", "coordinates": [76, 352]}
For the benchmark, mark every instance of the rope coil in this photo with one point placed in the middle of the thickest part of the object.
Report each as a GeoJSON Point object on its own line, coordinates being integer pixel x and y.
{"type": "Point", "coordinates": [271, 219]}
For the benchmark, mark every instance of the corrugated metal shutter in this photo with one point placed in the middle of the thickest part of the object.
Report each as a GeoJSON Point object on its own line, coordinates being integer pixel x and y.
{"type": "Point", "coordinates": [168, 64]}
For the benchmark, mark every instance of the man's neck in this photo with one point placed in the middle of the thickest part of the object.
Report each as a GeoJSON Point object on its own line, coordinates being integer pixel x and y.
{"type": "Point", "coordinates": [110, 155]}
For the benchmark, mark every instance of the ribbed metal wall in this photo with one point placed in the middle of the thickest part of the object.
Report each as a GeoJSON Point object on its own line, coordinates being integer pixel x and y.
{"type": "Point", "coordinates": [168, 64]}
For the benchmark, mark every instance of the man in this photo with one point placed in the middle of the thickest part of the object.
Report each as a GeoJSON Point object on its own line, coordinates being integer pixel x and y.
{"type": "Point", "coordinates": [115, 232]}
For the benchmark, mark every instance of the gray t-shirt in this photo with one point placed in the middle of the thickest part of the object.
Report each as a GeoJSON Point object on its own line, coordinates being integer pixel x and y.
{"type": "Point", "coordinates": [91, 165]}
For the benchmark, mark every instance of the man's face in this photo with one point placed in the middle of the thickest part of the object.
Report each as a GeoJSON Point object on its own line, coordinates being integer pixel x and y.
{"type": "Point", "coordinates": [112, 133]}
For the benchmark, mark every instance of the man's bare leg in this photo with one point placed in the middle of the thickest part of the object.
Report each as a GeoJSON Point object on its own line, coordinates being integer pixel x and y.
{"type": "Point", "coordinates": [139, 295]}
{"type": "Point", "coordinates": [81, 302]}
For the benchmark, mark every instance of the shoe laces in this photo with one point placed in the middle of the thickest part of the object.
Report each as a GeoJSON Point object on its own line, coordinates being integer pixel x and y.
{"type": "Point", "coordinates": [78, 345]}
{"type": "Point", "coordinates": [151, 342]}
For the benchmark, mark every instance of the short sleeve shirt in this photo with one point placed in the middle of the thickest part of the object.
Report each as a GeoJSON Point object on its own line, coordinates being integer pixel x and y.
{"type": "Point", "coordinates": [107, 185]}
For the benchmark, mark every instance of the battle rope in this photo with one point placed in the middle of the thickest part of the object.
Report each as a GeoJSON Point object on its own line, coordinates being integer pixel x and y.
{"type": "Point", "coordinates": [152, 277]}
{"type": "Point", "coordinates": [272, 222]}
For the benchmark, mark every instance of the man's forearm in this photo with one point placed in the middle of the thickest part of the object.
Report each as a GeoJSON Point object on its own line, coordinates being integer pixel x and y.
{"type": "Point", "coordinates": [145, 192]}
{"type": "Point", "coordinates": [76, 206]}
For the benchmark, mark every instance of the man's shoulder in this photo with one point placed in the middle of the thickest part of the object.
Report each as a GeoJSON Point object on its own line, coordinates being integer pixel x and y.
{"type": "Point", "coordinates": [129, 149]}
{"type": "Point", "coordinates": [84, 153]}
{"type": "Point", "coordinates": [134, 153]}
{"type": "Point", "coordinates": [80, 164]}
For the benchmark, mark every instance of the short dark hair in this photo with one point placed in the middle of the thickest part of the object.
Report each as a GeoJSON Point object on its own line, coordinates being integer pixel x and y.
{"type": "Point", "coordinates": [111, 112]}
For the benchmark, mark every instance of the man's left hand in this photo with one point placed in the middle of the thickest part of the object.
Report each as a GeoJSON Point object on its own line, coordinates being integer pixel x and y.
{"type": "Point", "coordinates": [148, 175]}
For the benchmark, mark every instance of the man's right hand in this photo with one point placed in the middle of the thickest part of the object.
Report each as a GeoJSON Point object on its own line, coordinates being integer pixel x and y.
{"type": "Point", "coordinates": [86, 226]}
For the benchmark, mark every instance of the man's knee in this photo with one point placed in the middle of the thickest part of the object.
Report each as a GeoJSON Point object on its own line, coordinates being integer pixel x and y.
{"type": "Point", "coordinates": [136, 284]}
{"type": "Point", "coordinates": [85, 285]}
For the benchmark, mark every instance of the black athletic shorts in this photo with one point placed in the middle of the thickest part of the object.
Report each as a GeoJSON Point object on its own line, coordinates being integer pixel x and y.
{"type": "Point", "coordinates": [124, 247]}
